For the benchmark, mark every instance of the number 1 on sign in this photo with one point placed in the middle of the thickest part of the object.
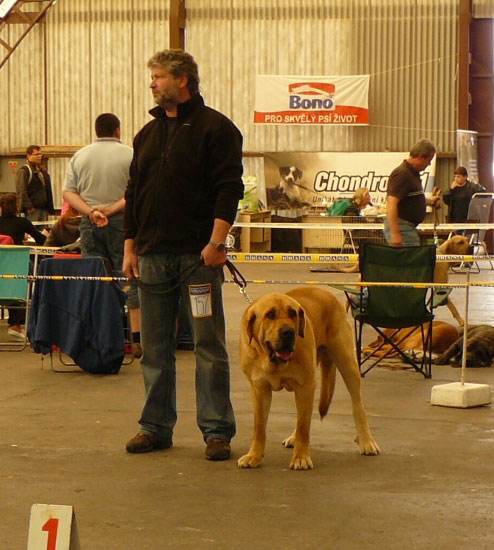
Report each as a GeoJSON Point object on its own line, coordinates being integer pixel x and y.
{"type": "Point", "coordinates": [52, 527]}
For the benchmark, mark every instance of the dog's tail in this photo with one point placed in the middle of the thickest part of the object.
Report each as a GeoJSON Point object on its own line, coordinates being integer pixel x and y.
{"type": "Point", "coordinates": [328, 378]}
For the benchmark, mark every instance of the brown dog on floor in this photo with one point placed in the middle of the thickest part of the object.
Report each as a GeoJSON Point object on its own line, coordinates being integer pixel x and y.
{"type": "Point", "coordinates": [457, 244]}
{"type": "Point", "coordinates": [410, 339]}
{"type": "Point", "coordinates": [281, 338]}
{"type": "Point", "coordinates": [480, 348]}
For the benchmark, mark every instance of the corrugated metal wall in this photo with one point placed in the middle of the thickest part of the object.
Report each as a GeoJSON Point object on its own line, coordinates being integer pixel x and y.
{"type": "Point", "coordinates": [483, 9]}
{"type": "Point", "coordinates": [96, 54]}
{"type": "Point", "coordinates": [95, 61]}
{"type": "Point", "coordinates": [408, 48]}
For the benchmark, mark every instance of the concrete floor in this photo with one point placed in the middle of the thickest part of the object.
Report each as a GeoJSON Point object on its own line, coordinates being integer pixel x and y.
{"type": "Point", "coordinates": [62, 440]}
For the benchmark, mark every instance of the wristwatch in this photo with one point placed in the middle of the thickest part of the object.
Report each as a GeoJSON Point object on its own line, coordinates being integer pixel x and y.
{"type": "Point", "coordinates": [219, 246]}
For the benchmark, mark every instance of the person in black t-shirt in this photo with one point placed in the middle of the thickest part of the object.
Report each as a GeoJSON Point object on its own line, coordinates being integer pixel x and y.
{"type": "Point", "coordinates": [406, 201]}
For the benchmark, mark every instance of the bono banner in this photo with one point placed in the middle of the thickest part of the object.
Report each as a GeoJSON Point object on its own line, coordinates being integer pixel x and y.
{"type": "Point", "coordinates": [312, 100]}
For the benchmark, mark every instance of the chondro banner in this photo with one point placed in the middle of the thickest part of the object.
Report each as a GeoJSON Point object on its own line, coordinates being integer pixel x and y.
{"type": "Point", "coordinates": [295, 180]}
{"type": "Point", "coordinates": [312, 100]}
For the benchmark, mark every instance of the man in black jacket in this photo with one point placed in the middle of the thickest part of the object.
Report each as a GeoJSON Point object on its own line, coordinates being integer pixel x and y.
{"type": "Point", "coordinates": [182, 197]}
{"type": "Point", "coordinates": [460, 194]}
{"type": "Point", "coordinates": [33, 187]}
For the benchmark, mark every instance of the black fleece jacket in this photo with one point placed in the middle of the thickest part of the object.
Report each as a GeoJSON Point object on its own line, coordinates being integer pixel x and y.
{"type": "Point", "coordinates": [175, 194]}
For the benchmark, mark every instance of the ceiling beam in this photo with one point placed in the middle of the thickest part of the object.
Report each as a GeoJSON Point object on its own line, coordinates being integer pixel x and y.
{"type": "Point", "coordinates": [177, 24]}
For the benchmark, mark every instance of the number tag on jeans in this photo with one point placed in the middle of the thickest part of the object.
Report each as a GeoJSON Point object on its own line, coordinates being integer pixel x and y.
{"type": "Point", "coordinates": [200, 300]}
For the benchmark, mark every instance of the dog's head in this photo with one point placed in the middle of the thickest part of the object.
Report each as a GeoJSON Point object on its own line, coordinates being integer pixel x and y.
{"type": "Point", "coordinates": [274, 322]}
{"type": "Point", "coordinates": [290, 174]}
{"type": "Point", "coordinates": [480, 347]}
{"type": "Point", "coordinates": [480, 350]}
{"type": "Point", "coordinates": [456, 245]}
{"type": "Point", "coordinates": [477, 356]}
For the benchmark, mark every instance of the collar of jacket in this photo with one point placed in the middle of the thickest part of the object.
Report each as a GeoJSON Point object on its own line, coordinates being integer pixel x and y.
{"type": "Point", "coordinates": [35, 167]}
{"type": "Point", "coordinates": [108, 139]}
{"type": "Point", "coordinates": [183, 109]}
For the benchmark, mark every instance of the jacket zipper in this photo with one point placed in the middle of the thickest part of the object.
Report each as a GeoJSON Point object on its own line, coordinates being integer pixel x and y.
{"type": "Point", "coordinates": [164, 154]}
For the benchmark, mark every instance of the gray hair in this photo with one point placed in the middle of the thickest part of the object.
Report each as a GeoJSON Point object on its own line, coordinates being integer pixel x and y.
{"type": "Point", "coordinates": [178, 63]}
{"type": "Point", "coordinates": [423, 148]}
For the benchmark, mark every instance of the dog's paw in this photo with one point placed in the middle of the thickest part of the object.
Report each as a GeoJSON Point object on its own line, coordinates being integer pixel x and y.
{"type": "Point", "coordinates": [289, 442]}
{"type": "Point", "coordinates": [369, 447]}
{"type": "Point", "coordinates": [303, 462]}
{"type": "Point", "coordinates": [249, 461]}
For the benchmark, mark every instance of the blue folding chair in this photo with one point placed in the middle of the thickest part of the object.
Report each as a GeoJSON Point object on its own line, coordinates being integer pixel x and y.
{"type": "Point", "coordinates": [14, 293]}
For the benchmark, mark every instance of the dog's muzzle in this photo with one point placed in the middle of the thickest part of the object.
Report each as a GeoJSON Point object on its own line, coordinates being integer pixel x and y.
{"type": "Point", "coordinates": [282, 352]}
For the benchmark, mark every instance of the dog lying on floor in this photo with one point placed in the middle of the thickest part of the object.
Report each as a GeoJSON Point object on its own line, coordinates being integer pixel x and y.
{"type": "Point", "coordinates": [281, 338]}
{"type": "Point", "coordinates": [480, 348]}
{"type": "Point", "coordinates": [410, 340]}
{"type": "Point", "coordinates": [457, 244]}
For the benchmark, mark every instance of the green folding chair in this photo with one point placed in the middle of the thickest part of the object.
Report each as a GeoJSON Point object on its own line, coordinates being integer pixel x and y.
{"type": "Point", "coordinates": [384, 307]}
{"type": "Point", "coordinates": [14, 293]}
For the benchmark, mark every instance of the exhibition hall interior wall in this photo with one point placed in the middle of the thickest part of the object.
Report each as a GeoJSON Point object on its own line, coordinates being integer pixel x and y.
{"type": "Point", "coordinates": [90, 57]}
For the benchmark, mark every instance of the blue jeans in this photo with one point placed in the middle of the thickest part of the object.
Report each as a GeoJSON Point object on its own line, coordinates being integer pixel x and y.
{"type": "Point", "coordinates": [108, 242]}
{"type": "Point", "coordinates": [184, 332]}
{"type": "Point", "coordinates": [159, 313]}
{"type": "Point", "coordinates": [408, 231]}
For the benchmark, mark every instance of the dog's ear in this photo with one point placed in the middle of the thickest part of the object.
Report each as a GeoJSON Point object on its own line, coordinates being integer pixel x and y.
{"type": "Point", "coordinates": [284, 170]}
{"type": "Point", "coordinates": [447, 246]}
{"type": "Point", "coordinates": [251, 319]}
{"type": "Point", "coordinates": [299, 173]}
{"type": "Point", "coordinates": [301, 322]}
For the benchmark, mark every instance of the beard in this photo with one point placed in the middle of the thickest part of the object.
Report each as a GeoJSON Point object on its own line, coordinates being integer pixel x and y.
{"type": "Point", "coordinates": [166, 100]}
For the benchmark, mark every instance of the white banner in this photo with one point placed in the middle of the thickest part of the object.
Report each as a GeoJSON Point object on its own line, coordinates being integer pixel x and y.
{"type": "Point", "coordinates": [312, 100]}
{"type": "Point", "coordinates": [295, 180]}
{"type": "Point", "coordinates": [466, 147]}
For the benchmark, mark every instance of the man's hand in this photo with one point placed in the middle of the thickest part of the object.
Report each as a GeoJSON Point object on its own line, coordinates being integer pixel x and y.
{"type": "Point", "coordinates": [396, 239]}
{"type": "Point", "coordinates": [213, 257]}
{"type": "Point", "coordinates": [98, 218]}
{"type": "Point", "coordinates": [104, 210]}
{"type": "Point", "coordinates": [436, 197]}
{"type": "Point", "coordinates": [130, 265]}
{"type": "Point", "coordinates": [112, 209]}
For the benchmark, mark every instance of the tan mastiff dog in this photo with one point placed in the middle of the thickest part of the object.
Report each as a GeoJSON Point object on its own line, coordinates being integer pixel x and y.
{"type": "Point", "coordinates": [281, 338]}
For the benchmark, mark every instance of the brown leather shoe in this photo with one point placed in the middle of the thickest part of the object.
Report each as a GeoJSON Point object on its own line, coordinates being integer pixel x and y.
{"type": "Point", "coordinates": [144, 443]}
{"type": "Point", "coordinates": [217, 449]}
{"type": "Point", "coordinates": [137, 350]}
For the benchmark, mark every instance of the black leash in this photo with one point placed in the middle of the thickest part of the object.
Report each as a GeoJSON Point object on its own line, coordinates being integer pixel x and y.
{"type": "Point", "coordinates": [237, 277]}
{"type": "Point", "coordinates": [183, 276]}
